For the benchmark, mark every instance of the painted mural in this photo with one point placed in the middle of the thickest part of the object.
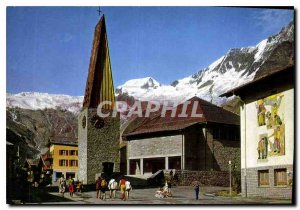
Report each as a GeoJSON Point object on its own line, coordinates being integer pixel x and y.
{"type": "Point", "coordinates": [270, 119]}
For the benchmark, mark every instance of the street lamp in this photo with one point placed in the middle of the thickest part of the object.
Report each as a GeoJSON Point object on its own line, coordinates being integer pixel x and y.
{"type": "Point", "coordinates": [229, 177]}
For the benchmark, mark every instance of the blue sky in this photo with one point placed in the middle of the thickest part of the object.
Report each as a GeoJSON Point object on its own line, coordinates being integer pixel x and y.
{"type": "Point", "coordinates": [48, 48]}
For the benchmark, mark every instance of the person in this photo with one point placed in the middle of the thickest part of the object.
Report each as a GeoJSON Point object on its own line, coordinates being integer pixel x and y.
{"type": "Point", "coordinates": [128, 188]}
{"type": "Point", "coordinates": [78, 186]}
{"type": "Point", "coordinates": [71, 187]}
{"type": "Point", "coordinates": [112, 186]}
{"type": "Point", "coordinates": [171, 174]}
{"type": "Point", "coordinates": [62, 185]}
{"type": "Point", "coordinates": [122, 187]}
{"type": "Point", "coordinates": [196, 186]}
{"type": "Point", "coordinates": [166, 187]}
{"type": "Point", "coordinates": [176, 178]}
{"type": "Point", "coordinates": [169, 184]}
{"type": "Point", "coordinates": [160, 193]}
{"type": "Point", "coordinates": [103, 187]}
{"type": "Point", "coordinates": [98, 185]}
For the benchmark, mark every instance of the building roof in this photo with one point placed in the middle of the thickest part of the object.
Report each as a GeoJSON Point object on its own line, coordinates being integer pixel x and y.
{"type": "Point", "coordinates": [277, 72]}
{"type": "Point", "coordinates": [63, 140]}
{"type": "Point", "coordinates": [210, 114]}
{"type": "Point", "coordinates": [46, 163]}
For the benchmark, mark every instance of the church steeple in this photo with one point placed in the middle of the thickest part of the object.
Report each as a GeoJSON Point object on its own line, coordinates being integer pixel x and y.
{"type": "Point", "coordinates": [98, 138]}
{"type": "Point", "coordinates": [99, 85]}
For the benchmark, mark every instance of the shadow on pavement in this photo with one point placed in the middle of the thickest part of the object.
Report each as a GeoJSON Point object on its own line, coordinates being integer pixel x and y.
{"type": "Point", "coordinates": [42, 196]}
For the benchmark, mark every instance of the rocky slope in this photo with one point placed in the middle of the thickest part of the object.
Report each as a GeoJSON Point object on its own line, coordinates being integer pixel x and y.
{"type": "Point", "coordinates": [36, 127]}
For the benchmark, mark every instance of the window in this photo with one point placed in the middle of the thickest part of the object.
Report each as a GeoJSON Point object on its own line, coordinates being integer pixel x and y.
{"type": "Point", "coordinates": [63, 163]}
{"type": "Point", "coordinates": [73, 162]}
{"type": "Point", "coordinates": [280, 177]}
{"type": "Point", "coordinates": [263, 178]}
{"type": "Point", "coordinates": [73, 152]}
{"type": "Point", "coordinates": [63, 152]}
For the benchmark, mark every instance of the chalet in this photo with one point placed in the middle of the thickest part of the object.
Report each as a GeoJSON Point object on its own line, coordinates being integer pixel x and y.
{"type": "Point", "coordinates": [188, 143]}
{"type": "Point", "coordinates": [267, 133]}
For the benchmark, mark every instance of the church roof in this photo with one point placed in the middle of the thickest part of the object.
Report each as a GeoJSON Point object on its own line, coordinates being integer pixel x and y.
{"type": "Point", "coordinates": [210, 114]}
{"type": "Point", "coordinates": [99, 85]}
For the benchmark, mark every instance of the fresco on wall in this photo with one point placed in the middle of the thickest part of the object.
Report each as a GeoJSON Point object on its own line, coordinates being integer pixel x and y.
{"type": "Point", "coordinates": [263, 146]}
{"type": "Point", "coordinates": [270, 120]}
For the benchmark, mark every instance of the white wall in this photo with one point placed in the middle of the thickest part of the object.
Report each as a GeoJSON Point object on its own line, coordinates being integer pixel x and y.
{"type": "Point", "coordinates": [252, 132]}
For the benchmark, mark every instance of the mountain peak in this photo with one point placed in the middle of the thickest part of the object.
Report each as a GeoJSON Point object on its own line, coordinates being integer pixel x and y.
{"type": "Point", "coordinates": [145, 83]}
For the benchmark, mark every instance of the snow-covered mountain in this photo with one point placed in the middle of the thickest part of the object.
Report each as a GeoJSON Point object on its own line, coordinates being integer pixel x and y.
{"type": "Point", "coordinates": [35, 101]}
{"type": "Point", "coordinates": [238, 66]}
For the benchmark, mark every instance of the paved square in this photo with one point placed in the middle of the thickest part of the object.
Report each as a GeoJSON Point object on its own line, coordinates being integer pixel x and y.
{"type": "Point", "coordinates": [181, 195]}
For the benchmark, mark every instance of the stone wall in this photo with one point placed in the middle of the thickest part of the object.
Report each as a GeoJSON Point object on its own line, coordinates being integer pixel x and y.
{"type": "Point", "coordinates": [206, 178]}
{"type": "Point", "coordinates": [102, 145]}
{"type": "Point", "coordinates": [225, 151]}
{"type": "Point", "coordinates": [214, 154]}
{"type": "Point", "coordinates": [272, 191]}
{"type": "Point", "coordinates": [82, 148]}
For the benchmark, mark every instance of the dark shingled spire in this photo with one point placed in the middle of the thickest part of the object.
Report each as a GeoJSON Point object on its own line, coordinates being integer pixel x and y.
{"type": "Point", "coordinates": [99, 85]}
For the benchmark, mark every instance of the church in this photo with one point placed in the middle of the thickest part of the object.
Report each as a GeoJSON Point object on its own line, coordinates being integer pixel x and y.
{"type": "Point", "coordinates": [205, 143]}
{"type": "Point", "coordinates": [98, 138]}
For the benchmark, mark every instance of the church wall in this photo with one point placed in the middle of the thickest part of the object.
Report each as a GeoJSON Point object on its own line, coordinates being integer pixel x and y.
{"type": "Point", "coordinates": [98, 145]}
{"type": "Point", "coordinates": [103, 146]}
{"type": "Point", "coordinates": [193, 137]}
{"type": "Point", "coordinates": [82, 147]}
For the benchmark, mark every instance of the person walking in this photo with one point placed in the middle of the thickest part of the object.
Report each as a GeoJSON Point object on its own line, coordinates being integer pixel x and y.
{"type": "Point", "coordinates": [128, 188]}
{"type": "Point", "coordinates": [71, 187]}
{"type": "Point", "coordinates": [196, 186]}
{"type": "Point", "coordinates": [78, 186]}
{"type": "Point", "coordinates": [122, 187]}
{"type": "Point", "coordinates": [112, 186]}
{"type": "Point", "coordinates": [103, 187]}
{"type": "Point", "coordinates": [62, 185]}
{"type": "Point", "coordinates": [98, 186]}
